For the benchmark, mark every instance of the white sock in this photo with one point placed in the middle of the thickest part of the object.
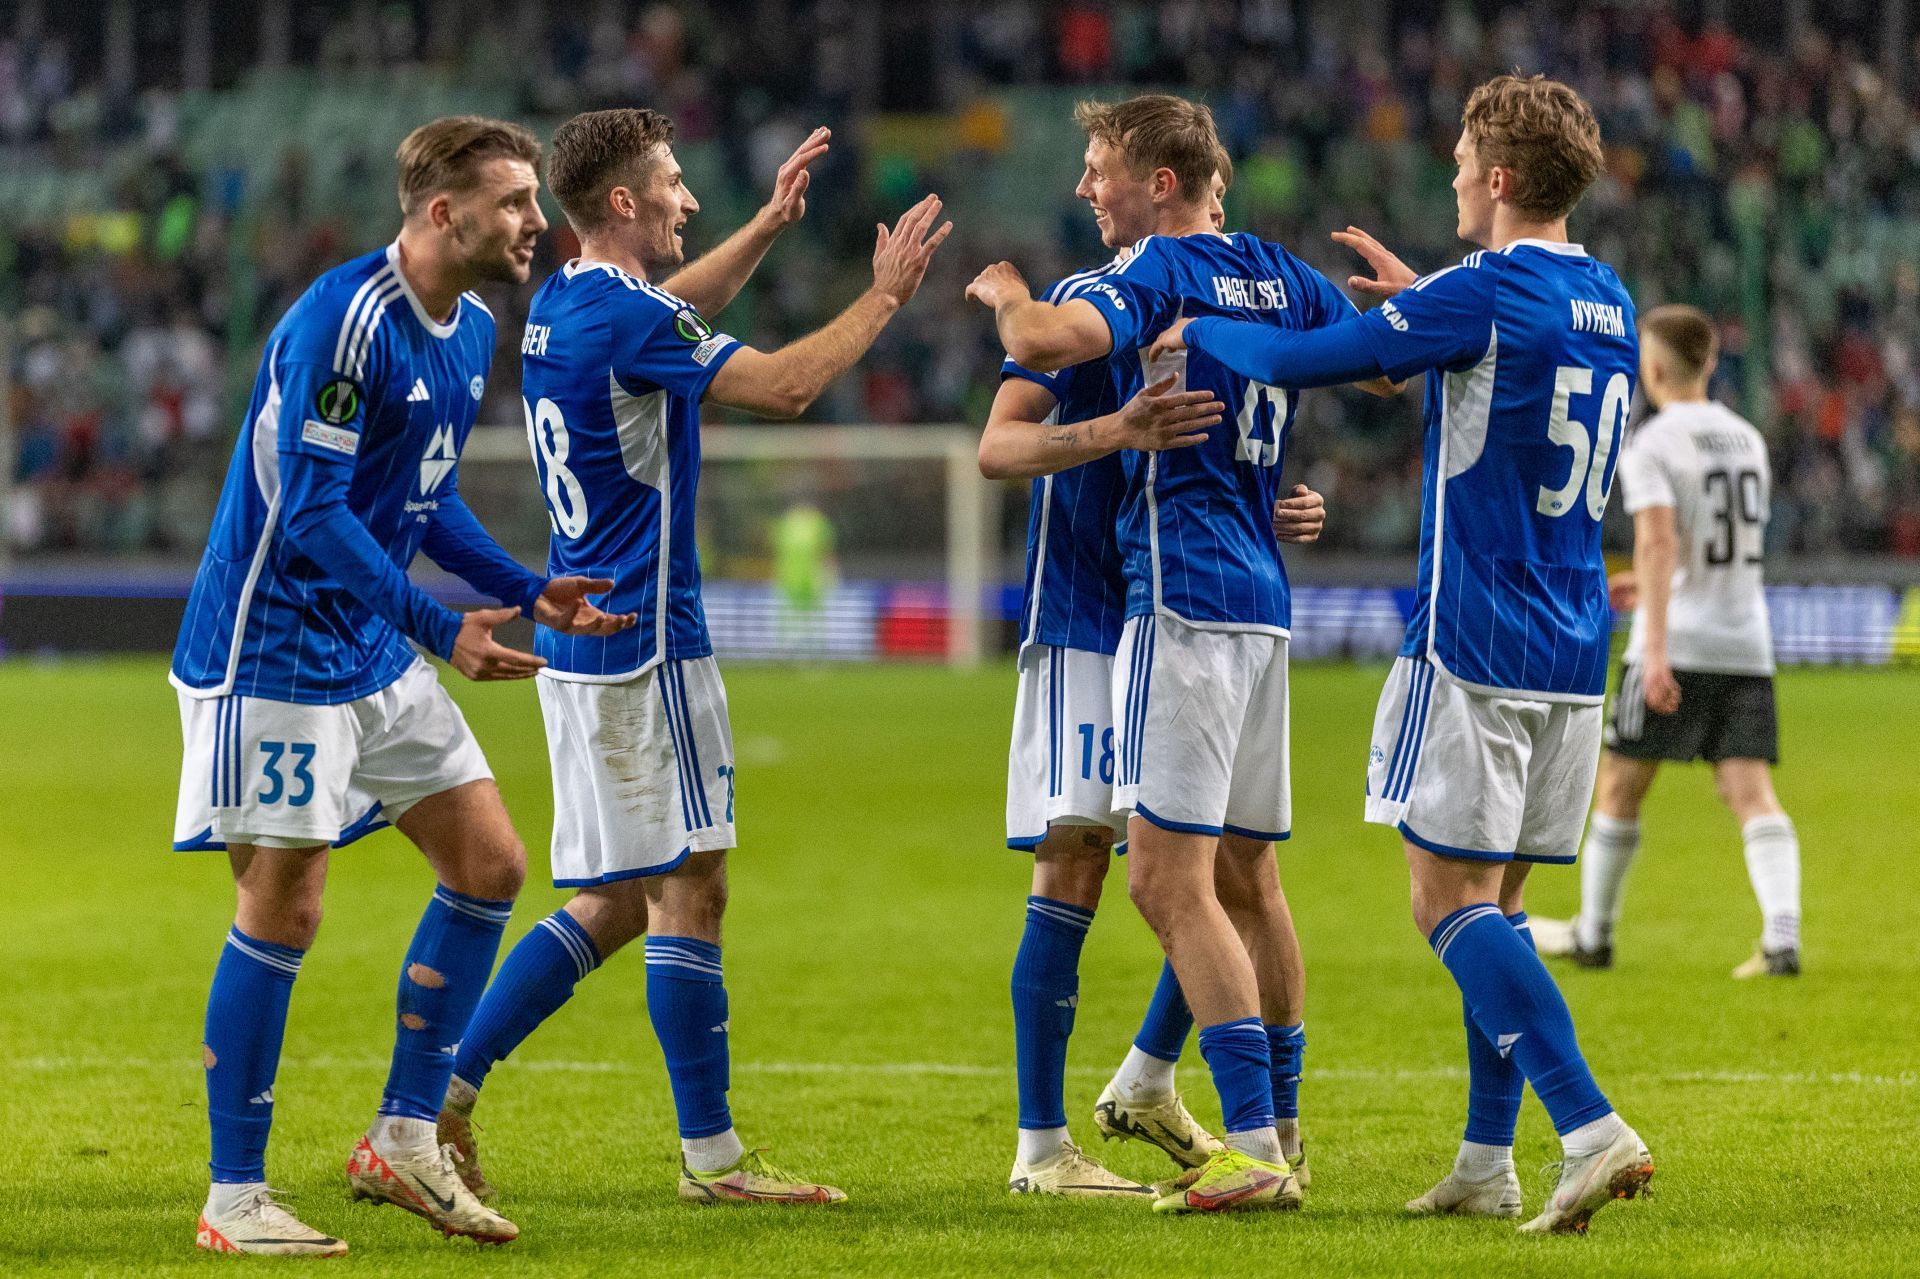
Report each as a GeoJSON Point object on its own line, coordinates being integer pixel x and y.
{"type": "Point", "coordinates": [1478, 1161]}
{"type": "Point", "coordinates": [1289, 1130]}
{"type": "Point", "coordinates": [711, 1154]}
{"type": "Point", "coordinates": [1773, 864]}
{"type": "Point", "coordinates": [461, 1096]}
{"type": "Point", "coordinates": [1143, 1077]}
{"type": "Point", "coordinates": [1261, 1143]}
{"type": "Point", "coordinates": [1037, 1145]}
{"type": "Point", "coordinates": [224, 1196]}
{"type": "Point", "coordinates": [1611, 844]}
{"type": "Point", "coordinates": [402, 1134]}
{"type": "Point", "coordinates": [1589, 1139]}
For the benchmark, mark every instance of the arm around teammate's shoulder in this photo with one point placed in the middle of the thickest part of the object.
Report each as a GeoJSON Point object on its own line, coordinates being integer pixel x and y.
{"type": "Point", "coordinates": [784, 383]}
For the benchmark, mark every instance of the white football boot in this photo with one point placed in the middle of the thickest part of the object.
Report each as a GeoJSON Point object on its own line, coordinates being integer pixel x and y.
{"type": "Point", "coordinates": [1164, 1123]}
{"type": "Point", "coordinates": [1497, 1195]}
{"type": "Point", "coordinates": [256, 1224]}
{"type": "Point", "coordinates": [424, 1182]}
{"type": "Point", "coordinates": [1074, 1174]}
{"type": "Point", "coordinates": [1588, 1184]}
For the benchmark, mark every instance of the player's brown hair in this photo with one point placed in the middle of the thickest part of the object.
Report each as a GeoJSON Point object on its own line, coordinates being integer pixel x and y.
{"type": "Point", "coordinates": [1223, 164]}
{"type": "Point", "coordinates": [1160, 131]}
{"type": "Point", "coordinates": [597, 151]}
{"type": "Point", "coordinates": [1687, 333]}
{"type": "Point", "coordinates": [446, 154]}
{"type": "Point", "coordinates": [1544, 134]}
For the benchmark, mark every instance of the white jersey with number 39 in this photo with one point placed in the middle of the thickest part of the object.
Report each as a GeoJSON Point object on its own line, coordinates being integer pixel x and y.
{"type": "Point", "coordinates": [1710, 465]}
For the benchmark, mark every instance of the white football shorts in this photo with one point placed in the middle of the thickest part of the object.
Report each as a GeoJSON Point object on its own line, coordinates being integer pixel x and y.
{"type": "Point", "coordinates": [642, 771]}
{"type": "Point", "coordinates": [1468, 774]}
{"type": "Point", "coordinates": [1060, 767]}
{"type": "Point", "coordinates": [286, 775]}
{"type": "Point", "coordinates": [1203, 729]}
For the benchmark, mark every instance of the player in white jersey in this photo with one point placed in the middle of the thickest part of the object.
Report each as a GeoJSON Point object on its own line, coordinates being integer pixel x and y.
{"type": "Point", "coordinates": [1697, 678]}
{"type": "Point", "coordinates": [614, 371]}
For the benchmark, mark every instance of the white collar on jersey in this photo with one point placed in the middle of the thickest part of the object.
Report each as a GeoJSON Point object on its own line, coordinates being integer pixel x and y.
{"type": "Point", "coordinates": [1551, 246]}
{"type": "Point", "coordinates": [427, 322]}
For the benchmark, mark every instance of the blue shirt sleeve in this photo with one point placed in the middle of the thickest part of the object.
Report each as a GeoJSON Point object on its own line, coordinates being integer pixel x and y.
{"type": "Point", "coordinates": [313, 502]}
{"type": "Point", "coordinates": [656, 344]}
{"type": "Point", "coordinates": [458, 543]}
{"type": "Point", "coordinates": [1055, 382]}
{"type": "Point", "coordinates": [1137, 302]}
{"type": "Point", "coordinates": [1444, 321]}
{"type": "Point", "coordinates": [322, 412]}
{"type": "Point", "coordinates": [1332, 356]}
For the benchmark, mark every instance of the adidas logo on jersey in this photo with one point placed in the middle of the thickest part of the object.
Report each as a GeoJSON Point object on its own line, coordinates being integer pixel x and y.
{"type": "Point", "coordinates": [261, 1099]}
{"type": "Point", "coordinates": [437, 462]}
{"type": "Point", "coordinates": [419, 391]}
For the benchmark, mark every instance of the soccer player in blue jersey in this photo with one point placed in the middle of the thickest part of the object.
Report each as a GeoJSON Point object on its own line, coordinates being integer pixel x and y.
{"type": "Point", "coordinates": [615, 368]}
{"type": "Point", "coordinates": [1057, 428]}
{"type": "Point", "coordinates": [1199, 685]}
{"type": "Point", "coordinates": [308, 717]}
{"type": "Point", "coordinates": [1487, 736]}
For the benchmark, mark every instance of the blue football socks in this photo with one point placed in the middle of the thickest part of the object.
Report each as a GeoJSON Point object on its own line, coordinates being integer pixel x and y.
{"type": "Point", "coordinates": [1046, 993]}
{"type": "Point", "coordinates": [445, 974]}
{"type": "Point", "coordinates": [1495, 1085]}
{"type": "Point", "coordinates": [1517, 1007]}
{"type": "Point", "coordinates": [538, 976]}
{"type": "Point", "coordinates": [1164, 1030]}
{"type": "Point", "coordinates": [1286, 1052]}
{"type": "Point", "coordinates": [688, 1004]}
{"type": "Point", "coordinates": [246, 1021]}
{"type": "Point", "coordinates": [1236, 1054]}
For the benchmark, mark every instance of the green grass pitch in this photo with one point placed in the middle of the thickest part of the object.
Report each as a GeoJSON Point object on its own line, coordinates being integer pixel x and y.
{"type": "Point", "coordinates": [874, 919]}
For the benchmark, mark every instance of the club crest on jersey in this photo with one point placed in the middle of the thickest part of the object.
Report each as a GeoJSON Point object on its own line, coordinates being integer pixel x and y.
{"type": "Point", "coordinates": [477, 386]}
{"type": "Point", "coordinates": [437, 462]}
{"type": "Point", "coordinates": [691, 328]}
{"type": "Point", "coordinates": [338, 401]}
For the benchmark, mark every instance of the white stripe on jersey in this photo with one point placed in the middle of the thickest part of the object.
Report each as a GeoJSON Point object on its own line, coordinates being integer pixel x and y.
{"type": "Point", "coordinates": [363, 342]}
{"type": "Point", "coordinates": [474, 298]}
{"type": "Point", "coordinates": [1466, 405]}
{"type": "Point", "coordinates": [350, 322]}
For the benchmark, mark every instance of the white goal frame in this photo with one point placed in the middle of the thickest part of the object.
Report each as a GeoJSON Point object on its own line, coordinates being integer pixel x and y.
{"type": "Point", "coordinates": [972, 501]}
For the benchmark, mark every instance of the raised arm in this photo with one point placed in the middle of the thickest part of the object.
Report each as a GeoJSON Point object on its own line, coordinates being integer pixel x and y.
{"type": "Point", "coordinates": [1656, 545]}
{"type": "Point", "coordinates": [784, 383]}
{"type": "Point", "coordinates": [713, 279]}
{"type": "Point", "coordinates": [1333, 356]}
{"type": "Point", "coordinates": [1019, 444]}
{"type": "Point", "coordinates": [1040, 335]}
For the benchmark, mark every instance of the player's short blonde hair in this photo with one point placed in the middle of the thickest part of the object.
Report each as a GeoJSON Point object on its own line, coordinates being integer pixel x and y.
{"type": "Point", "coordinates": [595, 152]}
{"type": "Point", "coordinates": [1687, 334]}
{"type": "Point", "coordinates": [445, 155]}
{"type": "Point", "coordinates": [1543, 133]}
{"type": "Point", "coordinates": [1160, 131]}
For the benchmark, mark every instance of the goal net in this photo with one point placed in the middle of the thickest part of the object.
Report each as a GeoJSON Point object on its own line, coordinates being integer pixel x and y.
{"type": "Point", "coordinates": [817, 543]}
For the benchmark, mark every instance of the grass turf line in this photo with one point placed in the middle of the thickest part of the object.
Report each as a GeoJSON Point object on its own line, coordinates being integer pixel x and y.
{"type": "Point", "coordinates": [873, 922]}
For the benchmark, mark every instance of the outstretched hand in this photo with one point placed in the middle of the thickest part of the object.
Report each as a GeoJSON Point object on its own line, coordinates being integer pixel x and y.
{"type": "Point", "coordinates": [1160, 418]}
{"type": "Point", "coordinates": [789, 202]}
{"type": "Point", "coordinates": [1173, 339]}
{"type": "Point", "coordinates": [477, 656]}
{"type": "Point", "coordinates": [900, 256]}
{"type": "Point", "coordinates": [563, 607]}
{"type": "Point", "coordinates": [1390, 274]}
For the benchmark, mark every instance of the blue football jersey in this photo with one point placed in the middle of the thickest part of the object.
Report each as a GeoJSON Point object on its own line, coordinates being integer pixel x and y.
{"type": "Point", "coordinates": [1196, 530]}
{"type": "Point", "coordinates": [1076, 594]}
{"type": "Point", "coordinates": [356, 374]}
{"type": "Point", "coordinates": [1530, 354]}
{"type": "Point", "coordinates": [613, 369]}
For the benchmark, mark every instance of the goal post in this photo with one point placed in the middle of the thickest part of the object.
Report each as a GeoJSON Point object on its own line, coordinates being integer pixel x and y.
{"type": "Point", "coordinates": [913, 579]}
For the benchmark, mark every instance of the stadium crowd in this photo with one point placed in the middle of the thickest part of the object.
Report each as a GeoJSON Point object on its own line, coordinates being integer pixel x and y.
{"type": "Point", "coordinates": [1775, 183]}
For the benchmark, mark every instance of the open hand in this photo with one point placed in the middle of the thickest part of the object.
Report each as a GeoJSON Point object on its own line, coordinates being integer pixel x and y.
{"type": "Point", "coordinates": [998, 285]}
{"type": "Point", "coordinates": [1300, 517]}
{"type": "Point", "coordinates": [900, 256]}
{"type": "Point", "coordinates": [1173, 339]}
{"type": "Point", "coordinates": [563, 607]}
{"type": "Point", "coordinates": [1160, 418]}
{"type": "Point", "coordinates": [477, 656]}
{"type": "Point", "coordinates": [789, 202]}
{"type": "Point", "coordinates": [1390, 274]}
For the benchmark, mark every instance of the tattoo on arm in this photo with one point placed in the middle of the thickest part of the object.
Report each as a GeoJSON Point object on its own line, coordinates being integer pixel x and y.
{"type": "Point", "coordinates": [1069, 435]}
